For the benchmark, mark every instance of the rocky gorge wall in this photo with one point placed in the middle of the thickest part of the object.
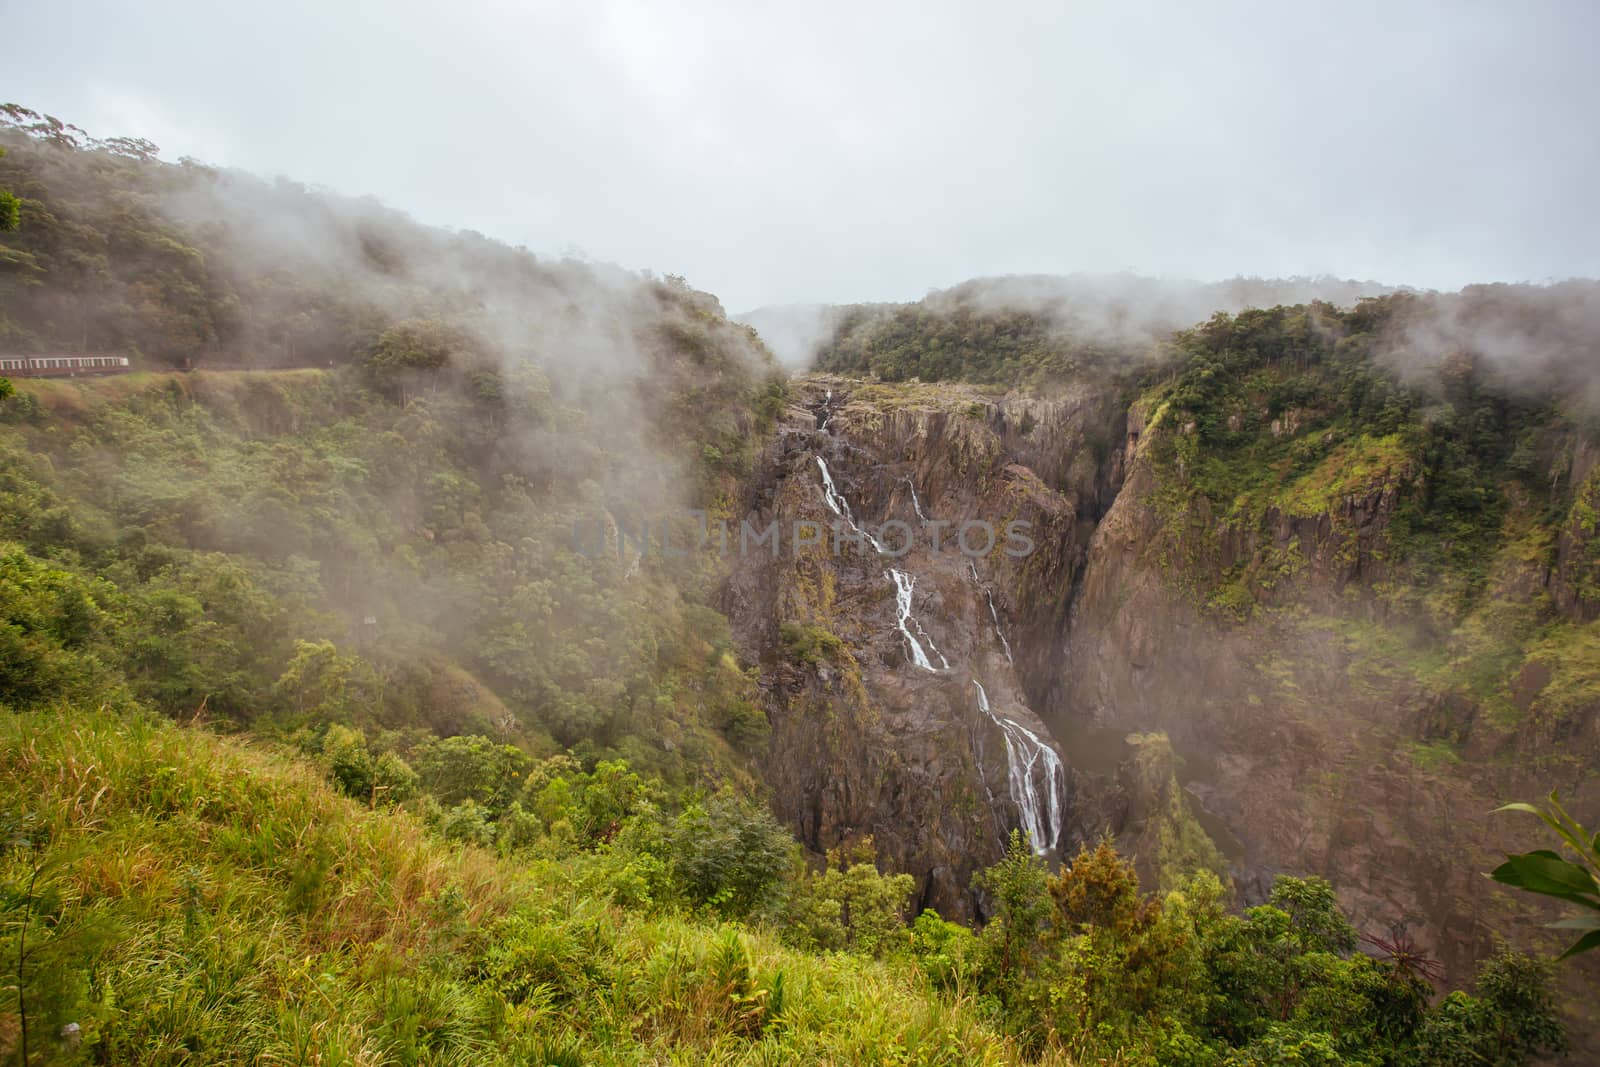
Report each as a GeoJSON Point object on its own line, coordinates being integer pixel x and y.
{"type": "Point", "coordinates": [1245, 693]}
{"type": "Point", "coordinates": [903, 688]}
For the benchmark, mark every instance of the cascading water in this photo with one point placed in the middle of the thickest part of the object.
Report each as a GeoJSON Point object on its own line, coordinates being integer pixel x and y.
{"type": "Point", "coordinates": [837, 503]}
{"type": "Point", "coordinates": [915, 503]}
{"type": "Point", "coordinates": [993, 615]}
{"type": "Point", "coordinates": [1030, 762]}
{"type": "Point", "coordinates": [840, 506]}
{"type": "Point", "coordinates": [1025, 755]}
{"type": "Point", "coordinates": [903, 585]}
{"type": "Point", "coordinates": [997, 631]}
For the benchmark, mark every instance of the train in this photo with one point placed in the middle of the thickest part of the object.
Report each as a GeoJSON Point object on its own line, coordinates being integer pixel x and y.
{"type": "Point", "coordinates": [61, 366]}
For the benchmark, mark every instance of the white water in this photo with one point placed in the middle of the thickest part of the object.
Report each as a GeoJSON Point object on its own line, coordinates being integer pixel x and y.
{"type": "Point", "coordinates": [997, 631]}
{"type": "Point", "coordinates": [903, 582]}
{"type": "Point", "coordinates": [994, 615]}
{"type": "Point", "coordinates": [903, 585]}
{"type": "Point", "coordinates": [1025, 754]}
{"type": "Point", "coordinates": [944, 664]}
{"type": "Point", "coordinates": [1028, 758]}
{"type": "Point", "coordinates": [841, 506]}
{"type": "Point", "coordinates": [914, 501]}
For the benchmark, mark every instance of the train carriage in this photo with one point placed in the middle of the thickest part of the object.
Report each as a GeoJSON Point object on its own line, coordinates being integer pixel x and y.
{"type": "Point", "coordinates": [61, 366]}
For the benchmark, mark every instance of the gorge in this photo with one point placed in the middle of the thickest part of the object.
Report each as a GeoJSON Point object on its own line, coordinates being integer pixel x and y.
{"type": "Point", "coordinates": [337, 625]}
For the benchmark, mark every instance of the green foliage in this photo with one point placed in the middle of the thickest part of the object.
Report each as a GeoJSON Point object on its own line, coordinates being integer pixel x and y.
{"type": "Point", "coordinates": [378, 934]}
{"type": "Point", "coordinates": [240, 517]}
{"type": "Point", "coordinates": [947, 952]}
{"type": "Point", "coordinates": [969, 341]}
{"type": "Point", "coordinates": [10, 219]}
{"type": "Point", "coordinates": [470, 768]}
{"type": "Point", "coordinates": [1018, 888]}
{"type": "Point", "coordinates": [1548, 873]}
{"type": "Point", "coordinates": [51, 624]}
{"type": "Point", "coordinates": [349, 763]}
{"type": "Point", "coordinates": [730, 855]}
{"type": "Point", "coordinates": [1302, 412]}
{"type": "Point", "coordinates": [414, 350]}
{"type": "Point", "coordinates": [1509, 1020]}
{"type": "Point", "coordinates": [809, 642]}
{"type": "Point", "coordinates": [850, 906]}
{"type": "Point", "coordinates": [1085, 960]}
{"type": "Point", "coordinates": [242, 529]}
{"type": "Point", "coordinates": [185, 898]}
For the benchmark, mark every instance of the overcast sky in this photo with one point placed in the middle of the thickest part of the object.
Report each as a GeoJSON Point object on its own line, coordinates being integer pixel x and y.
{"type": "Point", "coordinates": [840, 152]}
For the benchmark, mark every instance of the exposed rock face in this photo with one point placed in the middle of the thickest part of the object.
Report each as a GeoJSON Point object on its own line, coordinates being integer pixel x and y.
{"type": "Point", "coordinates": [1300, 725]}
{"type": "Point", "coordinates": [868, 739]}
{"type": "Point", "coordinates": [1299, 733]}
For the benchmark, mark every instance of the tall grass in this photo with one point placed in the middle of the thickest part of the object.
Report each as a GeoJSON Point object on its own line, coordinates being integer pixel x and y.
{"type": "Point", "coordinates": [200, 900]}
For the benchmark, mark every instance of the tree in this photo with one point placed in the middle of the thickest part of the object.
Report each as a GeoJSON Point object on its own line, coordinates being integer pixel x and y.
{"type": "Point", "coordinates": [1018, 886]}
{"type": "Point", "coordinates": [471, 767]}
{"type": "Point", "coordinates": [730, 854]}
{"type": "Point", "coordinates": [412, 350]}
{"type": "Point", "coordinates": [1510, 1019]}
{"type": "Point", "coordinates": [10, 214]}
{"type": "Point", "coordinates": [850, 905]}
{"type": "Point", "coordinates": [1545, 872]}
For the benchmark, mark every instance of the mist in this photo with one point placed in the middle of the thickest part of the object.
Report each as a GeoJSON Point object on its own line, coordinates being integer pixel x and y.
{"type": "Point", "coordinates": [835, 156]}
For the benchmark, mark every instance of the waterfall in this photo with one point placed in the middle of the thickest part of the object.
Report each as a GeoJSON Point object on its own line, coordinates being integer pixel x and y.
{"type": "Point", "coordinates": [903, 585]}
{"type": "Point", "coordinates": [914, 501]}
{"type": "Point", "coordinates": [1025, 754]}
{"type": "Point", "coordinates": [993, 615]}
{"type": "Point", "coordinates": [901, 579]}
{"type": "Point", "coordinates": [997, 631]}
{"type": "Point", "coordinates": [840, 506]}
{"type": "Point", "coordinates": [1030, 762]}
{"type": "Point", "coordinates": [903, 582]}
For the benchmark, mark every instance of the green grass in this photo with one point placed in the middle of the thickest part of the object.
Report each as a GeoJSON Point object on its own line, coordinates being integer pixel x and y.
{"type": "Point", "coordinates": [1434, 755]}
{"type": "Point", "coordinates": [1352, 468]}
{"type": "Point", "coordinates": [1569, 656]}
{"type": "Point", "coordinates": [201, 900]}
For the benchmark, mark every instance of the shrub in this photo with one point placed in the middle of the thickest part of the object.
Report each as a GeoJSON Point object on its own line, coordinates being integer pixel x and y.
{"type": "Point", "coordinates": [730, 855]}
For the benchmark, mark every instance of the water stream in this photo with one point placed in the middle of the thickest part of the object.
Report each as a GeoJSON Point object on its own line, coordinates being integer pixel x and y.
{"type": "Point", "coordinates": [903, 586]}
{"type": "Point", "coordinates": [1034, 771]}
{"type": "Point", "coordinates": [993, 614]}
{"type": "Point", "coordinates": [1026, 757]}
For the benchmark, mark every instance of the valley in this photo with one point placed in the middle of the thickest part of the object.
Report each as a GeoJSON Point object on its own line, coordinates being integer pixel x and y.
{"type": "Point", "coordinates": [1130, 673]}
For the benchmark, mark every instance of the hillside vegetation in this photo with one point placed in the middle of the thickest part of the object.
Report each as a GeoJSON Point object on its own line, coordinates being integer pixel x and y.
{"type": "Point", "coordinates": [173, 897]}
{"type": "Point", "coordinates": [1432, 495]}
{"type": "Point", "coordinates": [1041, 331]}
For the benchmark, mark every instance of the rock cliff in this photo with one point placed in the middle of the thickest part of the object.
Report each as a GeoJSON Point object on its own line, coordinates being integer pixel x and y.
{"type": "Point", "coordinates": [1258, 687]}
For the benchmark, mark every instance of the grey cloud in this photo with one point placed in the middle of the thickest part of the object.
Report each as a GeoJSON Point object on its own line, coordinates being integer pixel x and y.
{"type": "Point", "coordinates": [845, 152]}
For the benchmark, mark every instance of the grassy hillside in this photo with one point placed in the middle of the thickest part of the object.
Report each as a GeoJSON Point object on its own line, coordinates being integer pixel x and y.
{"type": "Point", "coordinates": [170, 896]}
{"type": "Point", "coordinates": [192, 899]}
